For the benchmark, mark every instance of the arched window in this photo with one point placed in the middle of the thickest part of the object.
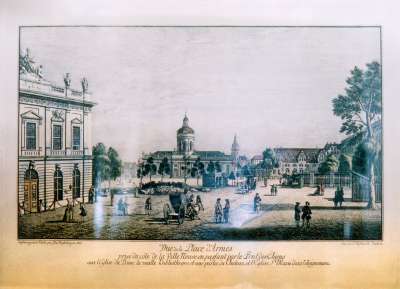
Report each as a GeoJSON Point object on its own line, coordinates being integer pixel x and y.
{"type": "Point", "coordinates": [76, 182]}
{"type": "Point", "coordinates": [58, 184]}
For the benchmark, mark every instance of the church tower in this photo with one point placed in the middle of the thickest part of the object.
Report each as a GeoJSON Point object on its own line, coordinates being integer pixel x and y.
{"type": "Point", "coordinates": [185, 137]}
{"type": "Point", "coordinates": [235, 148]}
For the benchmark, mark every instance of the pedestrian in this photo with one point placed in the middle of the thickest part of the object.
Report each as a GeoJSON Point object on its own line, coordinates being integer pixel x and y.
{"type": "Point", "coordinates": [297, 214]}
{"type": "Point", "coordinates": [226, 211]}
{"type": "Point", "coordinates": [91, 193]}
{"type": "Point", "coordinates": [82, 212]}
{"type": "Point", "coordinates": [336, 198]}
{"type": "Point", "coordinates": [199, 203]}
{"type": "Point", "coordinates": [257, 203]}
{"type": "Point", "coordinates": [340, 196]}
{"type": "Point", "coordinates": [272, 190]}
{"type": "Point", "coordinates": [147, 206]}
{"type": "Point", "coordinates": [71, 212]}
{"type": "Point", "coordinates": [120, 206]}
{"type": "Point", "coordinates": [306, 216]}
{"type": "Point", "coordinates": [125, 206]}
{"type": "Point", "coordinates": [275, 190]}
{"type": "Point", "coordinates": [68, 213]}
{"type": "Point", "coordinates": [218, 211]}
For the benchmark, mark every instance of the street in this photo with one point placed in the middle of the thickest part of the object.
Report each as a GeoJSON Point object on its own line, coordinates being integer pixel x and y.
{"type": "Point", "coordinates": [275, 221]}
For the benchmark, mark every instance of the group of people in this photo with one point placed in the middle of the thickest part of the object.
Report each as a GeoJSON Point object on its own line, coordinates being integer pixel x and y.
{"type": "Point", "coordinates": [222, 214]}
{"type": "Point", "coordinates": [305, 214]}
{"type": "Point", "coordinates": [123, 206]}
{"type": "Point", "coordinates": [69, 212]}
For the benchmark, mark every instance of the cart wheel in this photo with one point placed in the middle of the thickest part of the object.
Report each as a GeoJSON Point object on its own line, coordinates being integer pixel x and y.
{"type": "Point", "coordinates": [181, 214]}
{"type": "Point", "coordinates": [166, 211]}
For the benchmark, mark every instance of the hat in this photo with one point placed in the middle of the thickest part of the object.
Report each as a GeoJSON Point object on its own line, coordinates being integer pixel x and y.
{"type": "Point", "coordinates": [307, 203]}
{"type": "Point", "coordinates": [297, 203]}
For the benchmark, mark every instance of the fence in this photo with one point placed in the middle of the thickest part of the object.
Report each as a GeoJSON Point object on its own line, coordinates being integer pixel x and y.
{"type": "Point", "coordinates": [331, 180]}
{"type": "Point", "coordinates": [360, 188]}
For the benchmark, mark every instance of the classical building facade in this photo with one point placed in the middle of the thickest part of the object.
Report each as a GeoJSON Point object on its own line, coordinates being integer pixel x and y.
{"type": "Point", "coordinates": [54, 145]}
{"type": "Point", "coordinates": [185, 155]}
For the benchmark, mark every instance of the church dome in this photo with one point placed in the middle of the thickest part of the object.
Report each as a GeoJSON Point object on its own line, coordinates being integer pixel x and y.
{"type": "Point", "coordinates": [185, 129]}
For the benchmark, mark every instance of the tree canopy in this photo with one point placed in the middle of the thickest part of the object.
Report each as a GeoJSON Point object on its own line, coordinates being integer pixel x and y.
{"type": "Point", "coordinates": [330, 165]}
{"type": "Point", "coordinates": [360, 109]}
{"type": "Point", "coordinates": [270, 160]}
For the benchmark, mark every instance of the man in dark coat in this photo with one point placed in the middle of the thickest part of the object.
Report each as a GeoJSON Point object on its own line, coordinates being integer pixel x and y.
{"type": "Point", "coordinates": [306, 216]}
{"type": "Point", "coordinates": [297, 214]}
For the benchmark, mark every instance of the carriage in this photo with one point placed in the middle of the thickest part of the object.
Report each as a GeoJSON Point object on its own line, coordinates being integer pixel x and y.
{"type": "Point", "coordinates": [179, 208]}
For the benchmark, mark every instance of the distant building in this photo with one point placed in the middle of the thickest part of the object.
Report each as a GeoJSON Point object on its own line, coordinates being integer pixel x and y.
{"type": "Point", "coordinates": [129, 170]}
{"type": "Point", "coordinates": [257, 159]}
{"type": "Point", "coordinates": [54, 144]}
{"type": "Point", "coordinates": [296, 160]}
{"type": "Point", "coordinates": [182, 159]}
{"type": "Point", "coordinates": [302, 160]}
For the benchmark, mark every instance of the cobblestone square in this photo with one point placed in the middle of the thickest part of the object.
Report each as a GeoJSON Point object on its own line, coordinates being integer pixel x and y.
{"type": "Point", "coordinates": [275, 221]}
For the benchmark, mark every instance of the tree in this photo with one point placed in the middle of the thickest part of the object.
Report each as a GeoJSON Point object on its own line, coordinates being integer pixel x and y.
{"type": "Point", "coordinates": [246, 171]}
{"type": "Point", "coordinates": [232, 177]}
{"type": "Point", "coordinates": [344, 164]}
{"type": "Point", "coordinates": [329, 165]}
{"type": "Point", "coordinates": [100, 164]}
{"type": "Point", "coordinates": [360, 108]}
{"type": "Point", "coordinates": [164, 167]}
{"type": "Point", "coordinates": [115, 168]}
{"type": "Point", "coordinates": [270, 161]}
{"type": "Point", "coordinates": [150, 167]}
{"type": "Point", "coordinates": [218, 168]}
{"type": "Point", "coordinates": [186, 168]}
{"type": "Point", "coordinates": [140, 173]}
{"type": "Point", "coordinates": [198, 169]}
{"type": "Point", "coordinates": [211, 167]}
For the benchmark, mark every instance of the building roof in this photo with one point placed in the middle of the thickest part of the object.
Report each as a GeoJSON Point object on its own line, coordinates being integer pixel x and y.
{"type": "Point", "coordinates": [257, 158]}
{"type": "Point", "coordinates": [212, 155]}
{"type": "Point", "coordinates": [290, 155]}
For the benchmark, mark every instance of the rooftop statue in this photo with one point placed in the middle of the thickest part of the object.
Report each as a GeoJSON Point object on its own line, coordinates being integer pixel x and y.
{"type": "Point", "coordinates": [27, 65]}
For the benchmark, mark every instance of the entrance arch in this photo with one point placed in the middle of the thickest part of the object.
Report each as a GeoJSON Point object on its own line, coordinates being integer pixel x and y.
{"type": "Point", "coordinates": [31, 190]}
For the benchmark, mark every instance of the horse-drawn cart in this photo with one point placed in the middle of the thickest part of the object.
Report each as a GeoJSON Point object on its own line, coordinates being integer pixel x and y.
{"type": "Point", "coordinates": [179, 208]}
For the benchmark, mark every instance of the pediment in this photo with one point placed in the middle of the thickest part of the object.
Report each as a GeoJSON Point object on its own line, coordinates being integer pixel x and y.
{"type": "Point", "coordinates": [31, 115]}
{"type": "Point", "coordinates": [76, 121]}
{"type": "Point", "coordinates": [57, 116]}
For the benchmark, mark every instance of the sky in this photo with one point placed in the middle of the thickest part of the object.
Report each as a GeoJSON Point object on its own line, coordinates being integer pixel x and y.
{"type": "Point", "coordinates": [271, 86]}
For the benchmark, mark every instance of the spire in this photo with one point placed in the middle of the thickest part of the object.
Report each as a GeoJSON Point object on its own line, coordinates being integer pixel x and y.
{"type": "Point", "coordinates": [185, 120]}
{"type": "Point", "coordinates": [235, 147]}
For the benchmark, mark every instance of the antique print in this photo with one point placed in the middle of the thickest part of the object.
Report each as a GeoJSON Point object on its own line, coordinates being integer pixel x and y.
{"type": "Point", "coordinates": [200, 133]}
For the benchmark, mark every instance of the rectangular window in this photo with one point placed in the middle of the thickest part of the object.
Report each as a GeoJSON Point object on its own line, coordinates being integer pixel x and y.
{"type": "Point", "coordinates": [57, 137]}
{"type": "Point", "coordinates": [31, 136]}
{"type": "Point", "coordinates": [76, 138]}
